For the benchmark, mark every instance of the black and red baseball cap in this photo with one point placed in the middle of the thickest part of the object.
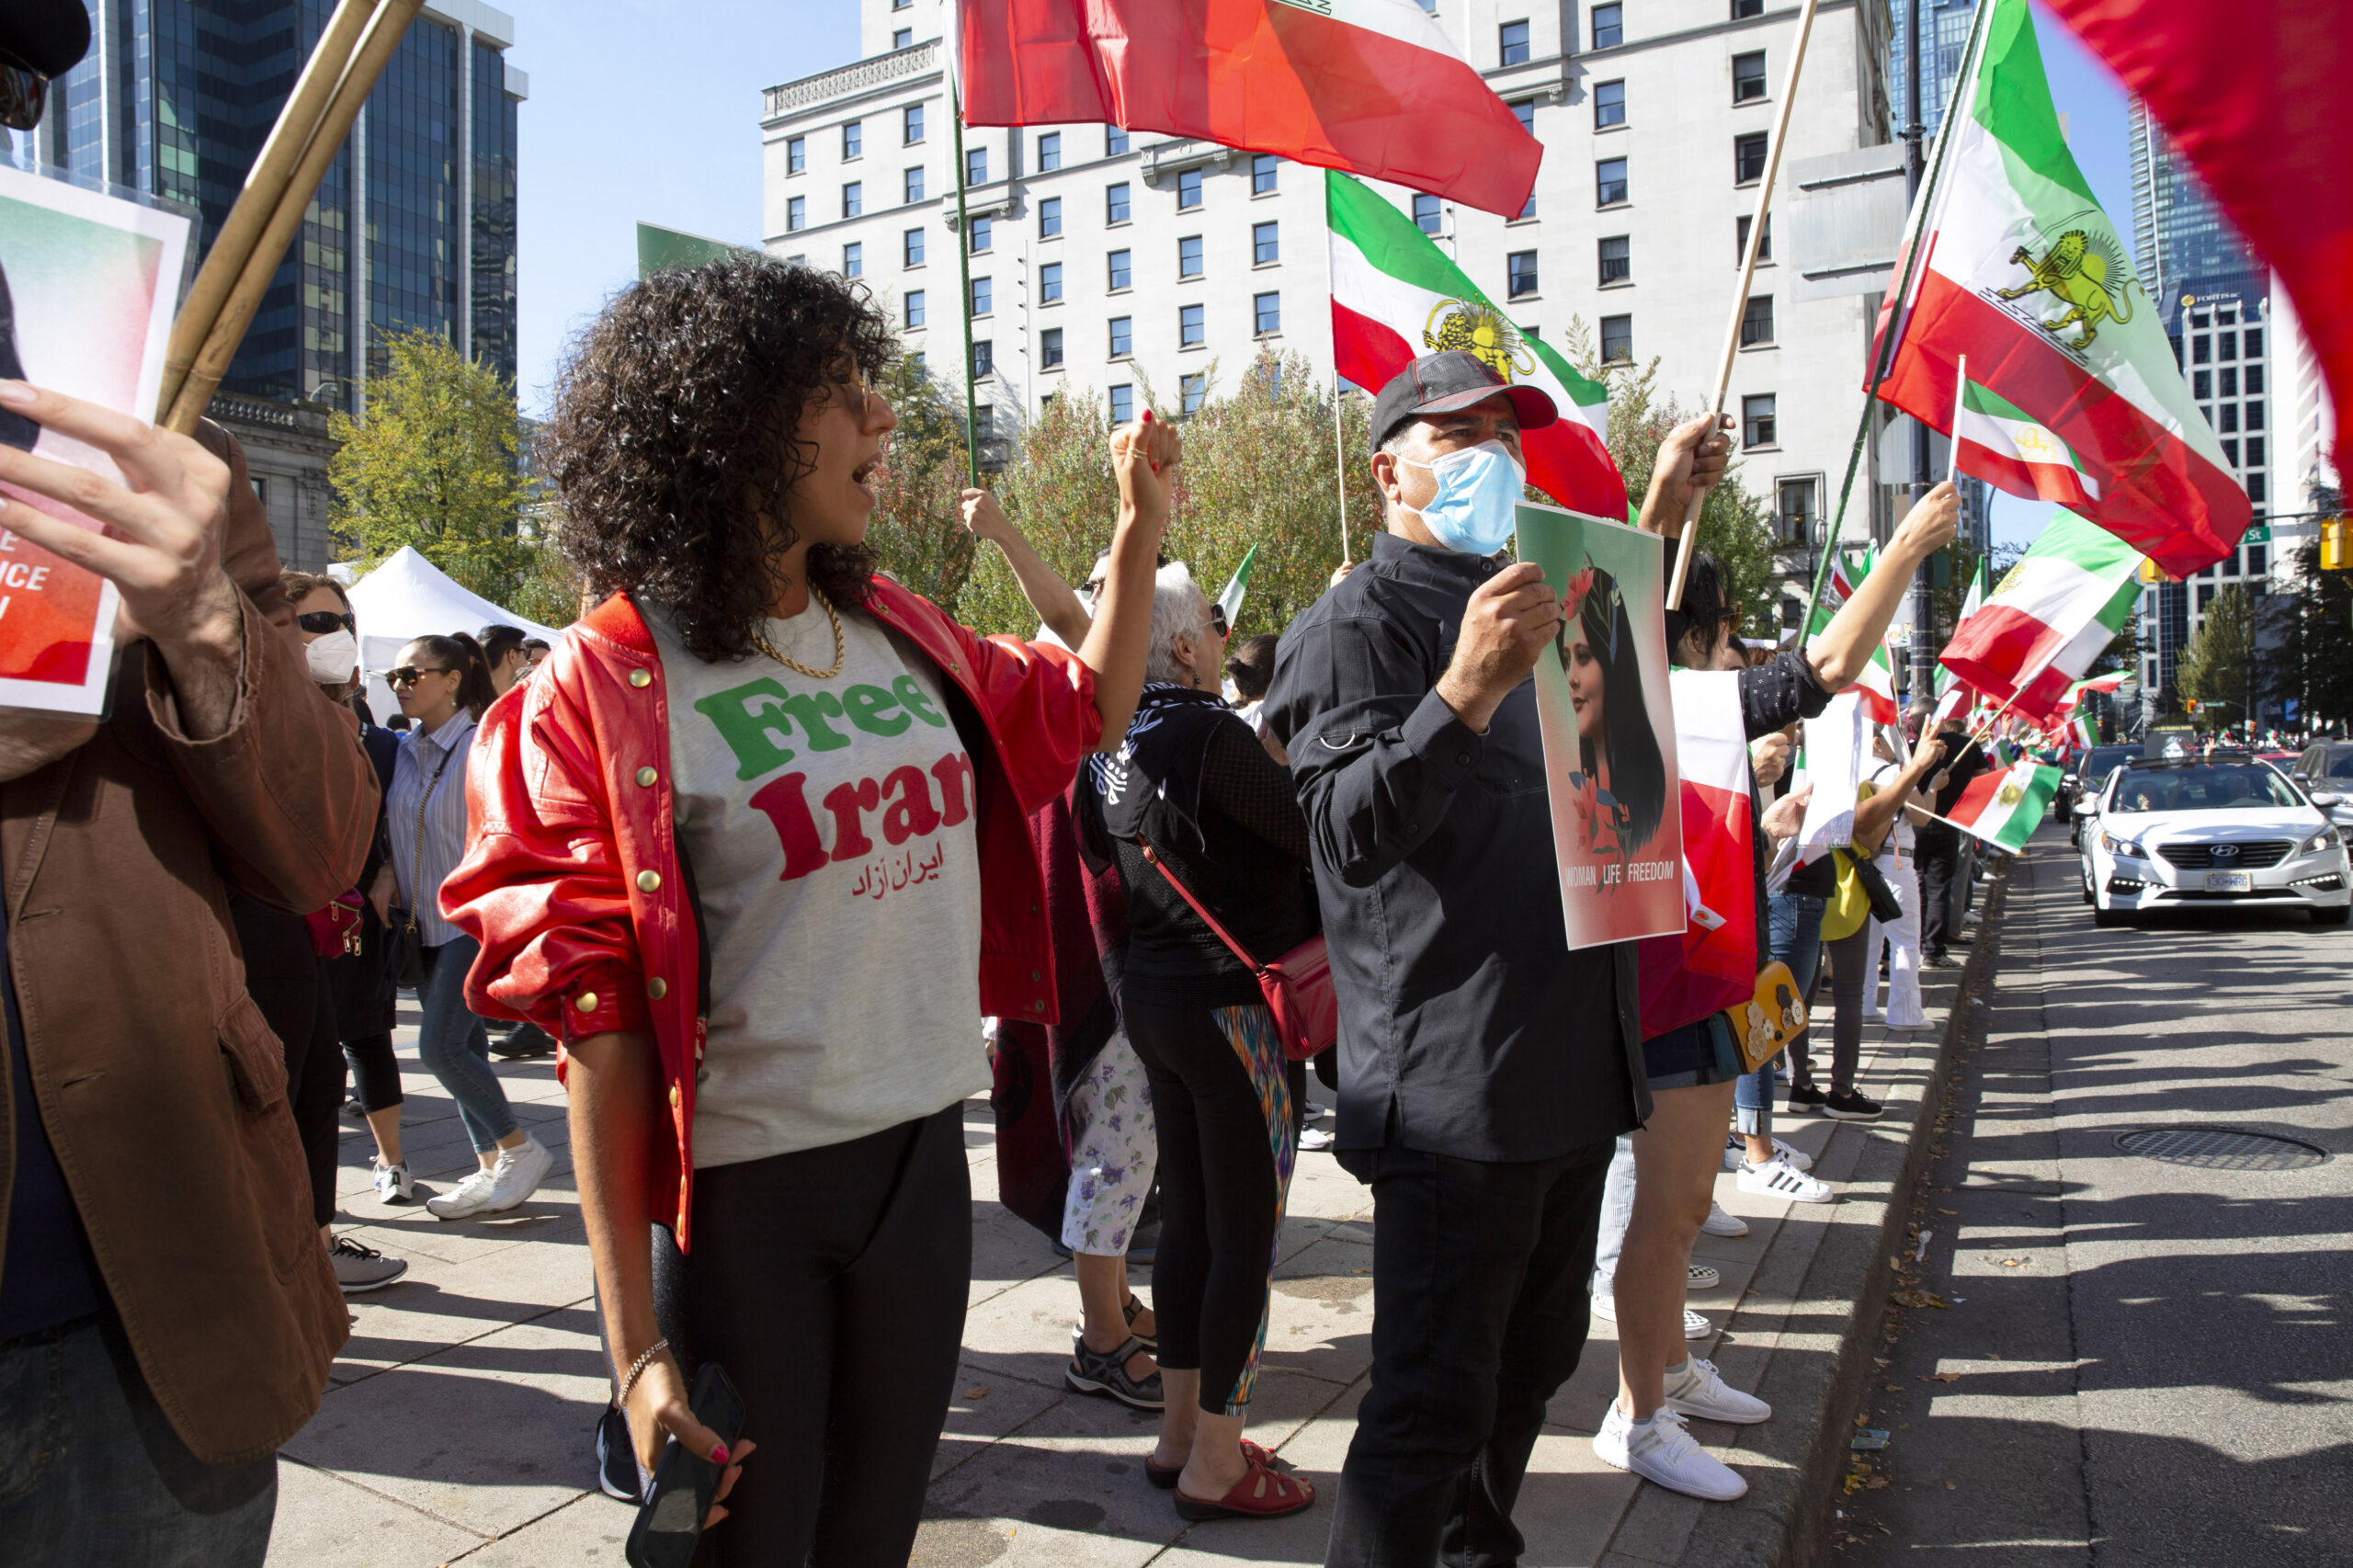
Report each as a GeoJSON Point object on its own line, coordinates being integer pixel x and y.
{"type": "Point", "coordinates": [1444, 384]}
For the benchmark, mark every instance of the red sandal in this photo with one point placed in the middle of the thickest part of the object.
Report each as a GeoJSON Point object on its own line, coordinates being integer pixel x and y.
{"type": "Point", "coordinates": [1263, 1492]}
{"type": "Point", "coordinates": [1165, 1478]}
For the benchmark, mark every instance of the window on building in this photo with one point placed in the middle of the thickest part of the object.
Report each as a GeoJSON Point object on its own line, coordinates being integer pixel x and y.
{"type": "Point", "coordinates": [1799, 503]}
{"type": "Point", "coordinates": [1756, 421]}
{"type": "Point", "coordinates": [1049, 152]}
{"type": "Point", "coordinates": [903, 38]}
{"type": "Point", "coordinates": [1266, 244]}
{"type": "Point", "coordinates": [853, 260]}
{"type": "Point", "coordinates": [2254, 380]}
{"type": "Point", "coordinates": [854, 140]}
{"type": "Point", "coordinates": [916, 360]}
{"type": "Point", "coordinates": [1192, 391]}
{"type": "Point", "coordinates": [983, 359]}
{"type": "Point", "coordinates": [2202, 384]}
{"type": "Point", "coordinates": [1192, 326]}
{"type": "Point", "coordinates": [1525, 112]}
{"type": "Point", "coordinates": [2258, 560]}
{"type": "Point", "coordinates": [914, 307]}
{"type": "Point", "coordinates": [2255, 343]}
{"type": "Point", "coordinates": [2254, 415]}
{"type": "Point", "coordinates": [1115, 141]}
{"type": "Point", "coordinates": [2202, 349]}
{"type": "Point", "coordinates": [1609, 105]}
{"type": "Point", "coordinates": [976, 166]}
{"type": "Point", "coordinates": [1743, 9]}
{"type": "Point", "coordinates": [1262, 173]}
{"type": "Point", "coordinates": [911, 125]}
{"type": "Point", "coordinates": [1428, 215]}
{"type": "Point", "coordinates": [910, 248]}
{"type": "Point", "coordinates": [2228, 377]}
{"type": "Point", "coordinates": [1050, 216]}
{"type": "Point", "coordinates": [1515, 43]}
{"type": "Point", "coordinates": [2255, 451]}
{"type": "Point", "coordinates": [854, 199]}
{"type": "Point", "coordinates": [1123, 405]}
{"type": "Point", "coordinates": [911, 184]}
{"type": "Point", "coordinates": [2201, 320]}
{"type": "Point", "coordinates": [1115, 203]}
{"type": "Point", "coordinates": [1050, 347]}
{"type": "Point", "coordinates": [796, 155]}
{"type": "Point", "coordinates": [1748, 157]}
{"type": "Point", "coordinates": [1188, 256]}
{"type": "Point", "coordinates": [983, 236]}
{"type": "Point", "coordinates": [796, 213]}
{"type": "Point", "coordinates": [1616, 260]}
{"type": "Point", "coordinates": [1617, 340]}
{"type": "Point", "coordinates": [1116, 266]}
{"type": "Point", "coordinates": [1748, 78]}
{"type": "Point", "coordinates": [1519, 270]}
{"type": "Point", "coordinates": [1608, 26]}
{"type": "Point", "coordinates": [1609, 182]}
{"type": "Point", "coordinates": [1188, 189]}
{"type": "Point", "coordinates": [2226, 346]}
{"type": "Point", "coordinates": [1265, 313]}
{"type": "Point", "coordinates": [2255, 484]}
{"type": "Point", "coordinates": [1049, 283]}
{"type": "Point", "coordinates": [1122, 337]}
{"type": "Point", "coordinates": [1740, 241]}
{"type": "Point", "coordinates": [984, 297]}
{"type": "Point", "coordinates": [1757, 321]}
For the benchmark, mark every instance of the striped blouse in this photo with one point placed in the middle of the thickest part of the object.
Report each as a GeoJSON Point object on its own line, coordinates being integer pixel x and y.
{"type": "Point", "coordinates": [431, 775]}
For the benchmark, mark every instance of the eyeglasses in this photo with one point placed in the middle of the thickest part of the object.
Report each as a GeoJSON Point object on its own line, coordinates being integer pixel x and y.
{"type": "Point", "coordinates": [324, 622]}
{"type": "Point", "coordinates": [1217, 618]}
{"type": "Point", "coordinates": [23, 92]}
{"type": "Point", "coordinates": [409, 675]}
{"type": "Point", "coordinates": [1093, 588]}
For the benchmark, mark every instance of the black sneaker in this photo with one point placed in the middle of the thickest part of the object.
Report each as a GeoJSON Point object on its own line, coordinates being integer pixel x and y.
{"type": "Point", "coordinates": [1852, 1104]}
{"type": "Point", "coordinates": [527, 1040]}
{"type": "Point", "coordinates": [616, 1458]}
{"type": "Point", "coordinates": [1804, 1100]}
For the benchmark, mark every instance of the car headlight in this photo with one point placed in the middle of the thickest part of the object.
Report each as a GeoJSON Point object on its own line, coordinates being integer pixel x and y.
{"type": "Point", "coordinates": [2327, 838]}
{"type": "Point", "coordinates": [2128, 849]}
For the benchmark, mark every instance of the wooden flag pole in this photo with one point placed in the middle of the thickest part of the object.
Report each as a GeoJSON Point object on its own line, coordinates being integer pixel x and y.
{"type": "Point", "coordinates": [1781, 131]}
{"type": "Point", "coordinates": [1340, 468]}
{"type": "Point", "coordinates": [1952, 442]}
{"type": "Point", "coordinates": [266, 182]}
{"type": "Point", "coordinates": [385, 29]}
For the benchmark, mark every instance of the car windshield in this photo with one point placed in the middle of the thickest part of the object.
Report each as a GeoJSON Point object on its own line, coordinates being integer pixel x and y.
{"type": "Point", "coordinates": [2226, 787]}
{"type": "Point", "coordinates": [2104, 760]}
{"type": "Point", "coordinates": [2340, 766]}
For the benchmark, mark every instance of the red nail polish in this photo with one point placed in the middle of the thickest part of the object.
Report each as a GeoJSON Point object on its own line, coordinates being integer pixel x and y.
{"type": "Point", "coordinates": [719, 1453]}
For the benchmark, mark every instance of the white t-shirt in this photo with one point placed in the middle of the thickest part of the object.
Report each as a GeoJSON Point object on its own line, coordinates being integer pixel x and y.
{"type": "Point", "coordinates": [1898, 842]}
{"type": "Point", "coordinates": [830, 826]}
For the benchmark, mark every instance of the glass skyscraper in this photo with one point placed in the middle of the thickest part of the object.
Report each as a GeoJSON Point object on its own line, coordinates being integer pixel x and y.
{"type": "Point", "coordinates": [175, 98]}
{"type": "Point", "coordinates": [1944, 39]}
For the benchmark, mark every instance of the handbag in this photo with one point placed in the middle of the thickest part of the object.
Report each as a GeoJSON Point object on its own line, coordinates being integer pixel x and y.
{"type": "Point", "coordinates": [1297, 985]}
{"type": "Point", "coordinates": [410, 963]}
{"type": "Point", "coordinates": [335, 930]}
{"type": "Point", "coordinates": [1771, 1019]}
{"type": "Point", "coordinates": [1885, 907]}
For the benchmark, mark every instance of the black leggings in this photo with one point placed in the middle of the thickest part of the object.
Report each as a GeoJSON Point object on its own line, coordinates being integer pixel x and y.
{"type": "Point", "coordinates": [830, 1283]}
{"type": "Point", "coordinates": [1221, 1193]}
{"type": "Point", "coordinates": [375, 1071]}
{"type": "Point", "coordinates": [1849, 961]}
{"type": "Point", "coordinates": [287, 982]}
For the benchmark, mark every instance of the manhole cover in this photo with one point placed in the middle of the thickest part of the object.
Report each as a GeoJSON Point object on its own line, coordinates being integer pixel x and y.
{"type": "Point", "coordinates": [2213, 1149]}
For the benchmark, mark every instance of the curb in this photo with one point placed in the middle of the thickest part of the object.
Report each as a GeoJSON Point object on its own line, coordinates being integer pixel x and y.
{"type": "Point", "coordinates": [1840, 1289]}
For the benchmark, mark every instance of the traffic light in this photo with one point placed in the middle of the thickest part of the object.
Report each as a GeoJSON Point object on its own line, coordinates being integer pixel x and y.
{"type": "Point", "coordinates": [2335, 544]}
{"type": "Point", "coordinates": [2190, 705]}
{"type": "Point", "coordinates": [2153, 572]}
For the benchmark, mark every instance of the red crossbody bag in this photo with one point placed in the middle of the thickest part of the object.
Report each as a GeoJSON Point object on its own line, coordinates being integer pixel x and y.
{"type": "Point", "coordinates": [1297, 986]}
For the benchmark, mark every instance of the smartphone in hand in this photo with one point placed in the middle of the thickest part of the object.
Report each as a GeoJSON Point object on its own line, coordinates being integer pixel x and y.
{"type": "Point", "coordinates": [669, 1521]}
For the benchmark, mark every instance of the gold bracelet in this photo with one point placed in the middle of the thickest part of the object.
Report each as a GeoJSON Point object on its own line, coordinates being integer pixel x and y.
{"type": "Point", "coordinates": [620, 1400]}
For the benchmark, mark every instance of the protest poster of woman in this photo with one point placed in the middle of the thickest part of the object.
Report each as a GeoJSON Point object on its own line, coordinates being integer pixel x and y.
{"type": "Point", "coordinates": [1609, 727]}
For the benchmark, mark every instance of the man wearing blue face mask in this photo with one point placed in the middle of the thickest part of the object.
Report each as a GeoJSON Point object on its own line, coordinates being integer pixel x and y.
{"type": "Point", "coordinates": [1486, 1069]}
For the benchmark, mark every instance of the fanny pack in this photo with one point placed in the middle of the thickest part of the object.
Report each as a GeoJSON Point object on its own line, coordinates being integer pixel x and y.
{"type": "Point", "coordinates": [1297, 986]}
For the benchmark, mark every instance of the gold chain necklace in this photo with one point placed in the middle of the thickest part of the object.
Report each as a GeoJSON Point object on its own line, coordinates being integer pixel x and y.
{"type": "Point", "coordinates": [839, 647]}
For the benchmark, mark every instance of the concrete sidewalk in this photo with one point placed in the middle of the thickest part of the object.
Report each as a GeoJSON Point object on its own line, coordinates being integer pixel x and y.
{"type": "Point", "coordinates": [458, 1424]}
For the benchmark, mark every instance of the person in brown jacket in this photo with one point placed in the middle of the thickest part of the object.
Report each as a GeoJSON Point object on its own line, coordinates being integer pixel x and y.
{"type": "Point", "coordinates": [167, 1315]}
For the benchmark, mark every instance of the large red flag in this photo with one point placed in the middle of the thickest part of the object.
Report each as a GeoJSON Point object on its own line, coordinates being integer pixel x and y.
{"type": "Point", "coordinates": [1375, 87]}
{"type": "Point", "coordinates": [2253, 94]}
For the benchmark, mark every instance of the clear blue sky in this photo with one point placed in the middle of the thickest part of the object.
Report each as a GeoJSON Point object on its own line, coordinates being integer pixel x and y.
{"type": "Point", "coordinates": [650, 109]}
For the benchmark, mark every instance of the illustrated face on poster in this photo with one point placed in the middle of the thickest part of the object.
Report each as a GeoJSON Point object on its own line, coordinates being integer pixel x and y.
{"type": "Point", "coordinates": [1609, 726]}
{"type": "Point", "coordinates": [87, 284]}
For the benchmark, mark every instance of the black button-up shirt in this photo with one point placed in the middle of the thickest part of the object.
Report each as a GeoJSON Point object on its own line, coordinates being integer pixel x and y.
{"type": "Point", "coordinates": [1467, 1028]}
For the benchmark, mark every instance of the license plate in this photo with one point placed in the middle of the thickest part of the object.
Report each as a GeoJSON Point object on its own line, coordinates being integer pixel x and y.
{"type": "Point", "coordinates": [2230, 881]}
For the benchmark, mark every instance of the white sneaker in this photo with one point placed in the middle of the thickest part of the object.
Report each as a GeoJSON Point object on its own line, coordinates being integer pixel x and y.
{"type": "Point", "coordinates": [517, 1173]}
{"type": "Point", "coordinates": [1661, 1450]}
{"type": "Point", "coordinates": [1736, 1150]}
{"type": "Point", "coordinates": [1721, 1221]}
{"type": "Point", "coordinates": [1313, 1138]}
{"type": "Point", "coordinates": [1703, 1277]}
{"type": "Point", "coordinates": [1699, 1390]}
{"type": "Point", "coordinates": [469, 1197]}
{"type": "Point", "coordinates": [394, 1184]}
{"type": "Point", "coordinates": [1777, 1179]}
{"type": "Point", "coordinates": [1695, 1324]}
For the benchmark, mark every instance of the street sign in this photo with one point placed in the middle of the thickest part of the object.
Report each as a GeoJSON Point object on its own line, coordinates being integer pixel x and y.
{"type": "Point", "coordinates": [2259, 533]}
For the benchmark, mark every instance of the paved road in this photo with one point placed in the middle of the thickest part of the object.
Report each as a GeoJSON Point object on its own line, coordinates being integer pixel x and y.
{"type": "Point", "coordinates": [2138, 1363]}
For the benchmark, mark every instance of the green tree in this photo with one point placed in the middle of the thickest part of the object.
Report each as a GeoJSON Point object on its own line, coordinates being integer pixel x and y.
{"type": "Point", "coordinates": [918, 527]}
{"type": "Point", "coordinates": [2317, 665]}
{"type": "Point", "coordinates": [435, 466]}
{"type": "Point", "coordinates": [2217, 668]}
{"type": "Point", "coordinates": [1061, 495]}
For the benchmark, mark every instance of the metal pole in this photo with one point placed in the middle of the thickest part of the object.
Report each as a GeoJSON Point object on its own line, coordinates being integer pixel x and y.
{"type": "Point", "coordinates": [1915, 168]}
{"type": "Point", "coordinates": [964, 290]}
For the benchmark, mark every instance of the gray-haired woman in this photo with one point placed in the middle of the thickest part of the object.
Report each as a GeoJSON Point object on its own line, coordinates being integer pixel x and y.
{"type": "Point", "coordinates": [1192, 782]}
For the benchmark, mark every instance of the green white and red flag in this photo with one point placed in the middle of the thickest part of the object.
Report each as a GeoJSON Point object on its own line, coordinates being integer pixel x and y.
{"type": "Point", "coordinates": [1994, 440]}
{"type": "Point", "coordinates": [2050, 619]}
{"type": "Point", "coordinates": [1377, 86]}
{"type": "Point", "coordinates": [2082, 734]}
{"type": "Point", "coordinates": [1396, 296]}
{"type": "Point", "coordinates": [2075, 694]}
{"type": "Point", "coordinates": [1979, 582]}
{"type": "Point", "coordinates": [1877, 682]}
{"type": "Point", "coordinates": [2004, 808]}
{"type": "Point", "coordinates": [2021, 270]}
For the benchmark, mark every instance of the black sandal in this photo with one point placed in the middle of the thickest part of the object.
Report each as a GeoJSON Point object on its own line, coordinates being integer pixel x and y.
{"type": "Point", "coordinates": [1106, 1373]}
{"type": "Point", "coordinates": [1133, 1310]}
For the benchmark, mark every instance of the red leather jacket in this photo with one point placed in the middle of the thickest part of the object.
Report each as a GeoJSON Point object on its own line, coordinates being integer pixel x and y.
{"type": "Point", "coordinates": [571, 880]}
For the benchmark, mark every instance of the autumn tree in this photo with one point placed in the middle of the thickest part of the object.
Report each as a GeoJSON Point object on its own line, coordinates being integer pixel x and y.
{"type": "Point", "coordinates": [434, 465]}
{"type": "Point", "coordinates": [918, 528]}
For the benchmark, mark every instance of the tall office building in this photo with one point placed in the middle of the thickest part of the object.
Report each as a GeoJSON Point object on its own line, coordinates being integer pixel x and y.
{"type": "Point", "coordinates": [1108, 264]}
{"type": "Point", "coordinates": [412, 226]}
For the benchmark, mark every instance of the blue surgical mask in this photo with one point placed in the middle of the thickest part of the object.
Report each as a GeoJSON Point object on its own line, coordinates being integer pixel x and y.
{"type": "Point", "coordinates": [1478, 490]}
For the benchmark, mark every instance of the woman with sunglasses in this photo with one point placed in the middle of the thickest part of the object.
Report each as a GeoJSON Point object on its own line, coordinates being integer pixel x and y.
{"type": "Point", "coordinates": [444, 686]}
{"type": "Point", "coordinates": [751, 844]}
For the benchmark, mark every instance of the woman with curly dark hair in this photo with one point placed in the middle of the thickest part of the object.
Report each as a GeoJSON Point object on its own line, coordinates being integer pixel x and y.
{"type": "Point", "coordinates": [751, 845]}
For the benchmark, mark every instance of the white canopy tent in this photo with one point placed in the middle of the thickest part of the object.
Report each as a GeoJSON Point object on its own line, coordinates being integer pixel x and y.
{"type": "Point", "coordinates": [408, 597]}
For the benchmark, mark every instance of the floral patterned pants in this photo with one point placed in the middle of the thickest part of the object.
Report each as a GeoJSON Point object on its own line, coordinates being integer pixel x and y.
{"type": "Point", "coordinates": [1113, 1149]}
